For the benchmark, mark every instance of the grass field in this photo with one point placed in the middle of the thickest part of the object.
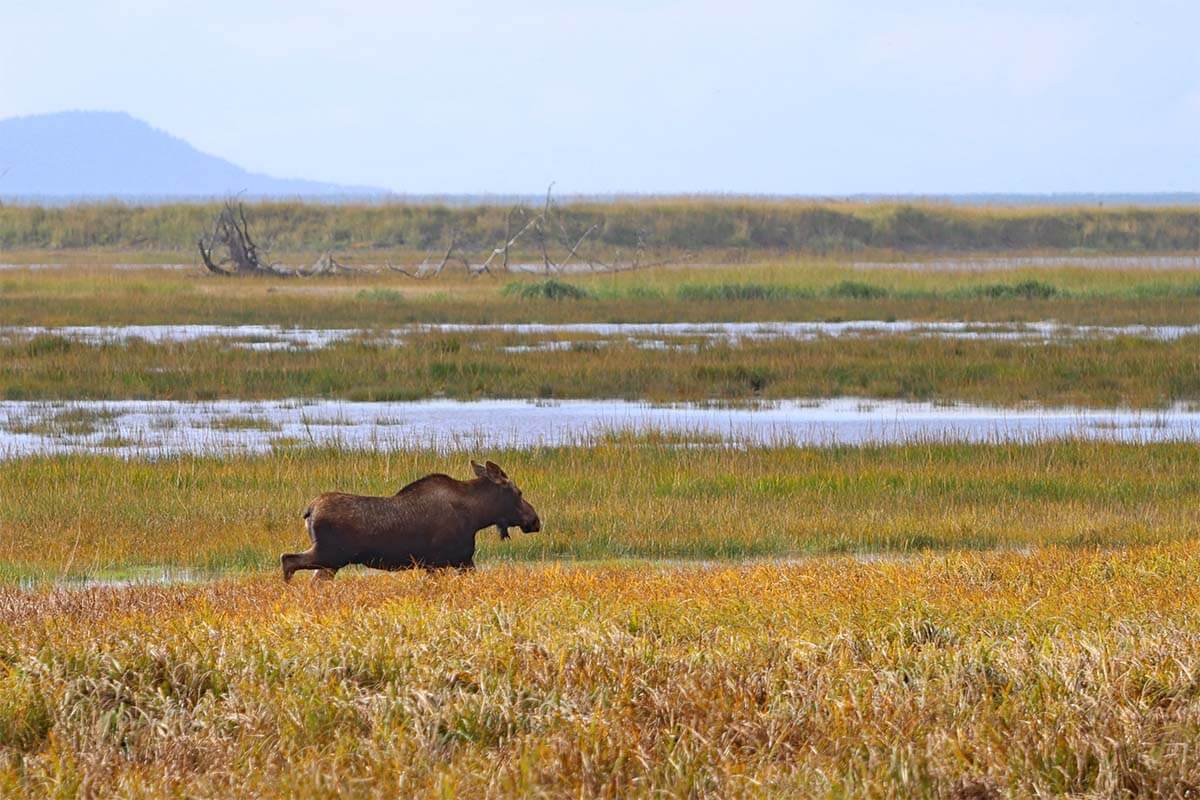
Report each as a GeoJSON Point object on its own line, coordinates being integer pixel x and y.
{"type": "Point", "coordinates": [769, 289]}
{"type": "Point", "coordinates": [1096, 372]}
{"type": "Point", "coordinates": [628, 498]}
{"type": "Point", "coordinates": [1062, 672]}
{"type": "Point", "coordinates": [695, 619]}
{"type": "Point", "coordinates": [703, 224]}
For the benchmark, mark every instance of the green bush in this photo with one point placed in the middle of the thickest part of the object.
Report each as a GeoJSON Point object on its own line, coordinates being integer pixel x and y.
{"type": "Point", "coordinates": [380, 295]}
{"type": "Point", "coordinates": [857, 290]}
{"type": "Point", "coordinates": [1027, 290]}
{"type": "Point", "coordinates": [740, 291]}
{"type": "Point", "coordinates": [549, 289]}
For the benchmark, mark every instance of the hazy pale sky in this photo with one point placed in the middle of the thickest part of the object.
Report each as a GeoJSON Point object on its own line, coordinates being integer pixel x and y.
{"type": "Point", "coordinates": [739, 96]}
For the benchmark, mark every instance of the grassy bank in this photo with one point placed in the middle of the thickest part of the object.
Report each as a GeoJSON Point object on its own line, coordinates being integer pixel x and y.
{"type": "Point", "coordinates": [768, 290]}
{"type": "Point", "coordinates": [679, 223]}
{"type": "Point", "coordinates": [1060, 673]}
{"type": "Point", "coordinates": [1098, 372]}
{"type": "Point", "coordinates": [627, 498]}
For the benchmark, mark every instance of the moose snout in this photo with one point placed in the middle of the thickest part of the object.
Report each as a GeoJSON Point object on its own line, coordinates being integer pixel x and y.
{"type": "Point", "coordinates": [528, 518]}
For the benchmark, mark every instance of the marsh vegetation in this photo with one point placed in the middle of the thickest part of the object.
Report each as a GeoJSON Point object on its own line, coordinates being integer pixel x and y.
{"type": "Point", "coordinates": [1123, 371]}
{"type": "Point", "coordinates": [1062, 672]}
{"type": "Point", "coordinates": [726, 226]}
{"type": "Point", "coordinates": [88, 291]}
{"type": "Point", "coordinates": [701, 614]}
{"type": "Point", "coordinates": [622, 497]}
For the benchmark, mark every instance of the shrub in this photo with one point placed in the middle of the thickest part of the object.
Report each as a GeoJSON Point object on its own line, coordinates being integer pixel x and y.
{"type": "Point", "coordinates": [740, 291]}
{"type": "Point", "coordinates": [48, 345]}
{"type": "Point", "coordinates": [1028, 290]}
{"type": "Point", "coordinates": [549, 289]}
{"type": "Point", "coordinates": [857, 290]}
{"type": "Point", "coordinates": [381, 295]}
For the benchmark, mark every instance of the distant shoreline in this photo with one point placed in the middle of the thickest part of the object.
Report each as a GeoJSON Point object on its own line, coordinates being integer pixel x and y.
{"type": "Point", "coordinates": [460, 200]}
{"type": "Point", "coordinates": [722, 227]}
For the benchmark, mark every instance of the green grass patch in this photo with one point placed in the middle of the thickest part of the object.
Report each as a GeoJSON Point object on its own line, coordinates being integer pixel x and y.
{"type": "Point", "coordinates": [623, 496]}
{"type": "Point", "coordinates": [1094, 372]}
{"type": "Point", "coordinates": [243, 422]}
{"type": "Point", "coordinates": [377, 295]}
{"type": "Point", "coordinates": [857, 290]}
{"type": "Point", "coordinates": [1025, 290]}
{"type": "Point", "coordinates": [741, 292]}
{"type": "Point", "coordinates": [65, 422]}
{"type": "Point", "coordinates": [763, 290]}
{"type": "Point", "coordinates": [549, 289]}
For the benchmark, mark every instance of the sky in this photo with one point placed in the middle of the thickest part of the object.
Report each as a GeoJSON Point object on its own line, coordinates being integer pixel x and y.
{"type": "Point", "coordinates": [738, 96]}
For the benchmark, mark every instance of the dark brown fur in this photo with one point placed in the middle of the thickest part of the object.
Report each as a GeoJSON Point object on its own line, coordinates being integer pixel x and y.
{"type": "Point", "coordinates": [429, 523]}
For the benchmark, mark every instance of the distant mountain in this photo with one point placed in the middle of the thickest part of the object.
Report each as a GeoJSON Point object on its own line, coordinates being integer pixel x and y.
{"type": "Point", "coordinates": [106, 154]}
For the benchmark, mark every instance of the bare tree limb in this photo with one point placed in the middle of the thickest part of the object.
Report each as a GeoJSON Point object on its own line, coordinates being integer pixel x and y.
{"type": "Point", "coordinates": [541, 229]}
{"type": "Point", "coordinates": [503, 249]}
{"type": "Point", "coordinates": [420, 273]}
{"type": "Point", "coordinates": [389, 265]}
{"type": "Point", "coordinates": [575, 247]}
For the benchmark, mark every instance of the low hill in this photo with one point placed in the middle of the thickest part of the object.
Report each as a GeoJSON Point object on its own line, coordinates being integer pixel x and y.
{"type": "Point", "coordinates": [104, 154]}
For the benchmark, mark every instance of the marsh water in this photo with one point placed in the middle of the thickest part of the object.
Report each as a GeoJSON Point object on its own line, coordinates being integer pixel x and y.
{"type": "Point", "coordinates": [543, 335]}
{"type": "Point", "coordinates": [162, 427]}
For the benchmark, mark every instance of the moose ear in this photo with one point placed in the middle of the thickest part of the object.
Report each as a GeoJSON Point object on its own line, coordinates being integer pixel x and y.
{"type": "Point", "coordinates": [494, 469]}
{"type": "Point", "coordinates": [480, 470]}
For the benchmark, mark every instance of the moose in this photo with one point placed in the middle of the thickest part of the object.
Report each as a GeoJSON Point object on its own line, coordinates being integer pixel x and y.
{"type": "Point", "coordinates": [431, 523]}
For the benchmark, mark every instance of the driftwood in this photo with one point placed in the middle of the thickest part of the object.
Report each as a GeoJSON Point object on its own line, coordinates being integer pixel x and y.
{"type": "Point", "coordinates": [509, 241]}
{"type": "Point", "coordinates": [540, 230]}
{"type": "Point", "coordinates": [230, 250]}
{"type": "Point", "coordinates": [549, 234]}
{"type": "Point", "coordinates": [423, 271]}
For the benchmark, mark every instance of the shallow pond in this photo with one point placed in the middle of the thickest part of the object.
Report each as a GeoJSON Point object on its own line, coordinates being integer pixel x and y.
{"type": "Point", "coordinates": [652, 335]}
{"type": "Point", "coordinates": [149, 428]}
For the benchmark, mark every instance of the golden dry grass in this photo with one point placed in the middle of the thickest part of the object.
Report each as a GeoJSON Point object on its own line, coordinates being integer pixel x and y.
{"type": "Point", "coordinates": [594, 659]}
{"type": "Point", "coordinates": [1064, 672]}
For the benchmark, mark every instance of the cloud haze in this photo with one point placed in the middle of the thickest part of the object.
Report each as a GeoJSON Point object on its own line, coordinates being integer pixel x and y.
{"type": "Point", "coordinates": [754, 96]}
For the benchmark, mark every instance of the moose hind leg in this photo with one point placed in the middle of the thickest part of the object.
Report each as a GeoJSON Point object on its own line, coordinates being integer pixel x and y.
{"type": "Point", "coordinates": [291, 562]}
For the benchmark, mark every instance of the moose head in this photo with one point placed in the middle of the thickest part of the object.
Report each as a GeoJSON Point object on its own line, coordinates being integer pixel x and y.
{"type": "Point", "coordinates": [509, 507]}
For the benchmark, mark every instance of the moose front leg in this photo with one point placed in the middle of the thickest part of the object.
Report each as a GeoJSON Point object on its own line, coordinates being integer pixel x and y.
{"type": "Point", "coordinates": [503, 531]}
